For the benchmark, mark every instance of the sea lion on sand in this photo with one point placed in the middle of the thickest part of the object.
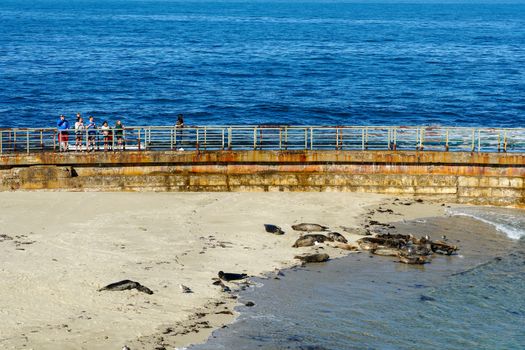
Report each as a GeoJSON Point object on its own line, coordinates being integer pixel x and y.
{"type": "Point", "coordinates": [304, 242]}
{"type": "Point", "coordinates": [366, 245]}
{"type": "Point", "coordinates": [276, 230]}
{"type": "Point", "coordinates": [337, 237]}
{"type": "Point", "coordinates": [413, 259]}
{"type": "Point", "coordinates": [126, 285]}
{"type": "Point", "coordinates": [225, 276]}
{"type": "Point", "coordinates": [346, 246]}
{"type": "Point", "coordinates": [385, 252]}
{"type": "Point", "coordinates": [313, 258]}
{"type": "Point", "coordinates": [318, 237]}
{"type": "Point", "coordinates": [309, 227]}
{"type": "Point", "coordinates": [356, 230]}
{"type": "Point", "coordinates": [441, 247]}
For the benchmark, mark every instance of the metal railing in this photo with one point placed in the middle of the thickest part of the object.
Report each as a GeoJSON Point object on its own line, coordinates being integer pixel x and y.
{"type": "Point", "coordinates": [454, 139]}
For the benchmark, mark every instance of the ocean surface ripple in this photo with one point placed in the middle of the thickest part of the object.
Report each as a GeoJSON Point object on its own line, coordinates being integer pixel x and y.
{"type": "Point", "coordinates": [318, 63]}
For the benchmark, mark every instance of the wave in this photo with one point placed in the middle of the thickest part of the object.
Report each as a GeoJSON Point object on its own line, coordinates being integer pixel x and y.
{"type": "Point", "coordinates": [511, 222]}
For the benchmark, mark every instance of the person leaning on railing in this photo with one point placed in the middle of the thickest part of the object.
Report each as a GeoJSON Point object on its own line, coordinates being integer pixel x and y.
{"type": "Point", "coordinates": [92, 134]}
{"type": "Point", "coordinates": [178, 126]}
{"type": "Point", "coordinates": [63, 136]}
{"type": "Point", "coordinates": [79, 131]}
{"type": "Point", "coordinates": [119, 134]}
{"type": "Point", "coordinates": [108, 136]}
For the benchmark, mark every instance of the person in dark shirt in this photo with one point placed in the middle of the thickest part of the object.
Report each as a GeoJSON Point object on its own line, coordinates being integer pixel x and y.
{"type": "Point", "coordinates": [119, 134]}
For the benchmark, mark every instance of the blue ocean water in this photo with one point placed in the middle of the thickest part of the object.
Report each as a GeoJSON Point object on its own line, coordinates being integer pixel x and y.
{"type": "Point", "coordinates": [252, 62]}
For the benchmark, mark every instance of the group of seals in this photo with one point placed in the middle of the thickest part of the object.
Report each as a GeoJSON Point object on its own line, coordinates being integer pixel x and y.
{"type": "Point", "coordinates": [409, 249]}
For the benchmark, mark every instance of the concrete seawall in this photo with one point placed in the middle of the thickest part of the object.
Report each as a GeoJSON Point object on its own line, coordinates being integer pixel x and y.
{"type": "Point", "coordinates": [480, 178]}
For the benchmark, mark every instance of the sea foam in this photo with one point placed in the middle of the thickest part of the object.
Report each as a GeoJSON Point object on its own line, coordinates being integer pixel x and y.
{"type": "Point", "coordinates": [511, 222]}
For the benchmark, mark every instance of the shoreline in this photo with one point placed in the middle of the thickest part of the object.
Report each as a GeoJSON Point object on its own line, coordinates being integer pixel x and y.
{"type": "Point", "coordinates": [210, 225]}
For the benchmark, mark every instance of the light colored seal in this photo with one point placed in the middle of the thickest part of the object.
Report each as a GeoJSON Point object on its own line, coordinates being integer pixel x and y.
{"type": "Point", "coordinates": [309, 227]}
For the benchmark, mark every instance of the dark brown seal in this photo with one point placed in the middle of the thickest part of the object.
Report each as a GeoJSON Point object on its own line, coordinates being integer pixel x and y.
{"type": "Point", "coordinates": [126, 285]}
{"type": "Point", "coordinates": [313, 258]}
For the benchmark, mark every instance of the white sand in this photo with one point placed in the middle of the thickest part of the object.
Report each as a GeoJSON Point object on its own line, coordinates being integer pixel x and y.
{"type": "Point", "coordinates": [83, 241]}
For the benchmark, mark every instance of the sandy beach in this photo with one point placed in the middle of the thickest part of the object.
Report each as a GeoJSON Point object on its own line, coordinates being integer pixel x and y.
{"type": "Point", "coordinates": [58, 249]}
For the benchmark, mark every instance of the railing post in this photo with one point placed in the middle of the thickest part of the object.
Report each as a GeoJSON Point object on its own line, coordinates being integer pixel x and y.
{"type": "Point", "coordinates": [285, 137]}
{"type": "Point", "coordinates": [389, 146]}
{"type": "Point", "coordinates": [446, 141]}
{"type": "Point", "coordinates": [395, 139]}
{"type": "Point", "coordinates": [311, 138]}
{"type": "Point", "coordinates": [230, 130]}
{"type": "Point", "coordinates": [138, 139]}
{"type": "Point", "coordinates": [305, 139]}
{"type": "Point", "coordinates": [280, 138]}
{"type": "Point", "coordinates": [479, 140]}
{"type": "Point", "coordinates": [254, 138]}
{"type": "Point", "coordinates": [1, 142]}
{"type": "Point", "coordinates": [197, 138]}
{"type": "Point", "coordinates": [473, 140]}
{"type": "Point", "coordinates": [42, 139]}
{"type": "Point", "coordinates": [112, 140]}
{"type": "Point", "coordinates": [205, 140]}
{"type": "Point", "coordinates": [172, 131]}
{"type": "Point", "coordinates": [363, 139]}
{"type": "Point", "coordinates": [505, 141]}
{"type": "Point", "coordinates": [422, 130]}
{"type": "Point", "coordinates": [27, 142]}
{"type": "Point", "coordinates": [222, 143]}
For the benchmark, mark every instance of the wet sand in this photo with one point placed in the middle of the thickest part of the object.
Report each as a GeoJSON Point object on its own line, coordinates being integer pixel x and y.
{"type": "Point", "coordinates": [58, 249]}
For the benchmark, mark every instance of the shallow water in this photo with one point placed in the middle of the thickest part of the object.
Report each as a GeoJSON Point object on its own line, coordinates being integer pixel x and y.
{"type": "Point", "coordinates": [252, 62]}
{"type": "Point", "coordinates": [469, 301]}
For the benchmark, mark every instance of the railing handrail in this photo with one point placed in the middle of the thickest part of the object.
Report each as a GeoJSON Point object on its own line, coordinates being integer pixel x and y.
{"type": "Point", "coordinates": [219, 126]}
{"type": "Point", "coordinates": [270, 137]}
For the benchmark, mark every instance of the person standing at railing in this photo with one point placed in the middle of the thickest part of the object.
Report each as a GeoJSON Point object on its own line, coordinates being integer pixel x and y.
{"type": "Point", "coordinates": [178, 126]}
{"type": "Point", "coordinates": [63, 135]}
{"type": "Point", "coordinates": [107, 135]}
{"type": "Point", "coordinates": [119, 134]}
{"type": "Point", "coordinates": [92, 134]}
{"type": "Point", "coordinates": [79, 130]}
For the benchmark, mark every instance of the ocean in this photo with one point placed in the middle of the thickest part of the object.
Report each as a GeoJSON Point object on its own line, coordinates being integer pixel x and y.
{"type": "Point", "coordinates": [260, 62]}
{"type": "Point", "coordinates": [473, 300]}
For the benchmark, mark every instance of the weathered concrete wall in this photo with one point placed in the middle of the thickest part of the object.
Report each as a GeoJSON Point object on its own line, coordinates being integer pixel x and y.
{"type": "Point", "coordinates": [495, 178]}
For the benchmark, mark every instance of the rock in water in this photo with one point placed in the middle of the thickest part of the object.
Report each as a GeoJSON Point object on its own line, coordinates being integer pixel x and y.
{"type": "Point", "coordinates": [313, 258]}
{"type": "Point", "coordinates": [225, 276]}
{"type": "Point", "coordinates": [276, 230]}
{"type": "Point", "coordinates": [309, 227]}
{"type": "Point", "coordinates": [126, 285]}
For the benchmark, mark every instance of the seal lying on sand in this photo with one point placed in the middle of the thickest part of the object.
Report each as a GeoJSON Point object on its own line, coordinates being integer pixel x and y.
{"type": "Point", "coordinates": [276, 230]}
{"type": "Point", "coordinates": [337, 237]}
{"type": "Point", "coordinates": [309, 227]}
{"type": "Point", "coordinates": [356, 230]}
{"type": "Point", "coordinates": [126, 285]}
{"type": "Point", "coordinates": [310, 240]}
{"type": "Point", "coordinates": [442, 247]}
{"type": "Point", "coordinates": [225, 276]}
{"type": "Point", "coordinates": [304, 242]}
{"type": "Point", "coordinates": [313, 258]}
